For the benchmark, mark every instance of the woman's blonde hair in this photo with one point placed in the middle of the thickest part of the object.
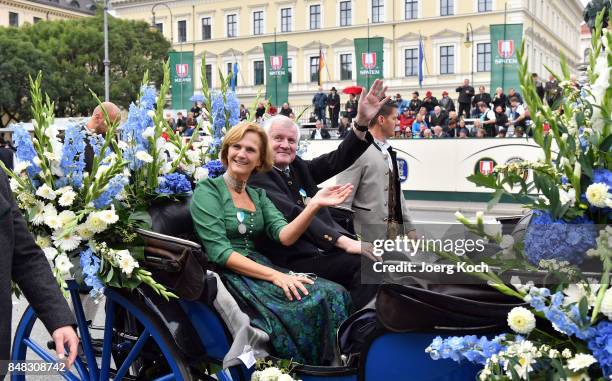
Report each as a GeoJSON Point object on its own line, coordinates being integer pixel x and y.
{"type": "Point", "coordinates": [236, 133]}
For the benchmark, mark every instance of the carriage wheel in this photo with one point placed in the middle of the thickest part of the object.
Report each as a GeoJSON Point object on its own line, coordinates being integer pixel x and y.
{"type": "Point", "coordinates": [148, 353]}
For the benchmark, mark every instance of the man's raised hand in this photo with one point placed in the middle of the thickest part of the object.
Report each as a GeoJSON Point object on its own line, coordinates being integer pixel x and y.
{"type": "Point", "coordinates": [370, 103]}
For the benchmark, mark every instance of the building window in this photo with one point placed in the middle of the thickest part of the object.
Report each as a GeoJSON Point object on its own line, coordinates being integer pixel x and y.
{"type": "Point", "coordinates": [412, 9]}
{"type": "Point", "coordinates": [206, 28]}
{"type": "Point", "coordinates": [37, 20]}
{"type": "Point", "coordinates": [182, 31]}
{"type": "Point", "coordinates": [587, 54]}
{"type": "Point", "coordinates": [378, 11]}
{"type": "Point", "coordinates": [315, 16]}
{"type": "Point", "coordinates": [286, 20]}
{"type": "Point", "coordinates": [447, 8]}
{"type": "Point", "coordinates": [160, 27]}
{"type": "Point", "coordinates": [13, 19]}
{"type": "Point", "coordinates": [345, 13]}
{"type": "Point", "coordinates": [314, 69]}
{"type": "Point", "coordinates": [447, 59]}
{"type": "Point", "coordinates": [208, 74]}
{"type": "Point", "coordinates": [229, 67]}
{"type": "Point", "coordinates": [232, 25]}
{"type": "Point", "coordinates": [346, 67]}
{"type": "Point", "coordinates": [411, 62]}
{"type": "Point", "coordinates": [258, 22]}
{"type": "Point", "coordinates": [485, 5]}
{"type": "Point", "coordinates": [258, 72]}
{"type": "Point", "coordinates": [483, 52]}
{"type": "Point", "coordinates": [289, 70]}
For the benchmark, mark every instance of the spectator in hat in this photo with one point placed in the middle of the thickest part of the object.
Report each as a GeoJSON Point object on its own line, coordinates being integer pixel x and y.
{"type": "Point", "coordinates": [351, 108]}
{"type": "Point", "coordinates": [333, 102]}
{"type": "Point", "coordinates": [415, 103]}
{"type": "Point", "coordinates": [446, 102]}
{"type": "Point", "coordinates": [430, 102]}
{"type": "Point", "coordinates": [466, 92]}
{"type": "Point", "coordinates": [402, 104]}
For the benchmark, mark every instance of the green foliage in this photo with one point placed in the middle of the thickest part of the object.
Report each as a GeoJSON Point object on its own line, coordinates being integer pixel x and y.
{"type": "Point", "coordinates": [70, 55]}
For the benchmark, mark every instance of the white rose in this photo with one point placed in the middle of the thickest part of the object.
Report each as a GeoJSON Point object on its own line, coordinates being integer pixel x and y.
{"type": "Point", "coordinates": [597, 194]}
{"type": "Point", "coordinates": [521, 320]}
{"type": "Point", "coordinates": [581, 361]}
{"type": "Point", "coordinates": [21, 166]}
{"type": "Point", "coordinates": [606, 304]}
{"type": "Point", "coordinates": [200, 173]}
{"type": "Point", "coordinates": [108, 216]}
{"type": "Point", "coordinates": [149, 132]}
{"type": "Point", "coordinates": [63, 264]}
{"type": "Point", "coordinates": [144, 156]}
{"type": "Point", "coordinates": [67, 198]}
{"type": "Point", "coordinates": [50, 252]}
{"type": "Point", "coordinates": [46, 192]}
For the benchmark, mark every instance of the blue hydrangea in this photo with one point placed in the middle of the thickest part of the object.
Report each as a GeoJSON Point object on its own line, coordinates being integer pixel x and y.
{"type": "Point", "coordinates": [90, 265]}
{"type": "Point", "coordinates": [600, 344]}
{"type": "Point", "coordinates": [215, 168]}
{"type": "Point", "coordinates": [25, 149]}
{"type": "Point", "coordinates": [471, 348]}
{"type": "Point", "coordinates": [174, 183]}
{"type": "Point", "coordinates": [114, 187]}
{"type": "Point", "coordinates": [73, 156]}
{"type": "Point", "coordinates": [572, 240]}
{"type": "Point", "coordinates": [602, 176]}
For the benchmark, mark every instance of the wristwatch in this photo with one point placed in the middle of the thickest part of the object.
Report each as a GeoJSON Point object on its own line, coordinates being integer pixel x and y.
{"type": "Point", "coordinates": [360, 128]}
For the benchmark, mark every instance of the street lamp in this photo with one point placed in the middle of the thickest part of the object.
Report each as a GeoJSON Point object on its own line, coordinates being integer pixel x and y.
{"type": "Point", "coordinates": [171, 25]}
{"type": "Point", "coordinates": [469, 42]}
{"type": "Point", "coordinates": [106, 61]}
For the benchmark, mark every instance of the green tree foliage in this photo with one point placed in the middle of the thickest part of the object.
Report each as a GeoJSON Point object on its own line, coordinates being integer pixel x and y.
{"type": "Point", "coordinates": [70, 54]}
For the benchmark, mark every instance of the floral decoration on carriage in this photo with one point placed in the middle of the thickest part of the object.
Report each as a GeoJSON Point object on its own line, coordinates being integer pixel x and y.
{"type": "Point", "coordinates": [566, 330]}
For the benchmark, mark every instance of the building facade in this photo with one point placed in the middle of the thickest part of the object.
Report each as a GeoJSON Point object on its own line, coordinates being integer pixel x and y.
{"type": "Point", "coordinates": [15, 13]}
{"type": "Point", "coordinates": [228, 31]}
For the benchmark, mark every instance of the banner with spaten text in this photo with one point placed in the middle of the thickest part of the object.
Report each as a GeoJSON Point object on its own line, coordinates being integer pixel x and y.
{"type": "Point", "coordinates": [181, 79]}
{"type": "Point", "coordinates": [369, 60]}
{"type": "Point", "coordinates": [277, 76]}
{"type": "Point", "coordinates": [505, 41]}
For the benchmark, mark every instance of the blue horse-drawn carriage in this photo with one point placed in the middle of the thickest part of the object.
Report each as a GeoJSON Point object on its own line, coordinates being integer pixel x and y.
{"type": "Point", "coordinates": [147, 338]}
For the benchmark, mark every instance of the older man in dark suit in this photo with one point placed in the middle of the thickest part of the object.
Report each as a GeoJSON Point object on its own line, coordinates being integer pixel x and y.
{"type": "Point", "coordinates": [326, 248]}
{"type": "Point", "coordinates": [22, 261]}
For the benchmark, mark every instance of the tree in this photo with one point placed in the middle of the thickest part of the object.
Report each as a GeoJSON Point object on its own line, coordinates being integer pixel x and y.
{"type": "Point", "coordinates": [70, 54]}
{"type": "Point", "coordinates": [593, 8]}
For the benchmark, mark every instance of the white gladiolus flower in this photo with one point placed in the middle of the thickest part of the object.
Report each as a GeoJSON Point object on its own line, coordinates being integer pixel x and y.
{"type": "Point", "coordinates": [581, 361]}
{"type": "Point", "coordinates": [67, 216]}
{"type": "Point", "coordinates": [67, 198]}
{"type": "Point", "coordinates": [108, 216]}
{"type": "Point", "coordinates": [63, 264]}
{"type": "Point", "coordinates": [200, 173]}
{"type": "Point", "coordinates": [37, 161]}
{"type": "Point", "coordinates": [21, 166]}
{"type": "Point", "coordinates": [166, 168]}
{"type": "Point", "coordinates": [521, 320]}
{"type": "Point", "coordinates": [597, 194]}
{"type": "Point", "coordinates": [567, 196]}
{"type": "Point", "coordinates": [492, 228]}
{"type": "Point", "coordinates": [479, 217]}
{"type": "Point", "coordinates": [14, 184]}
{"type": "Point", "coordinates": [122, 145]}
{"type": "Point", "coordinates": [63, 190]}
{"type": "Point", "coordinates": [149, 132]}
{"type": "Point", "coordinates": [53, 221]}
{"type": "Point", "coordinates": [144, 156]}
{"type": "Point", "coordinates": [151, 114]}
{"type": "Point", "coordinates": [46, 192]}
{"type": "Point", "coordinates": [193, 156]}
{"type": "Point", "coordinates": [606, 304]}
{"type": "Point", "coordinates": [50, 253]}
{"type": "Point", "coordinates": [189, 169]}
{"type": "Point", "coordinates": [51, 156]}
{"type": "Point", "coordinates": [126, 262]}
{"type": "Point", "coordinates": [67, 242]}
{"type": "Point", "coordinates": [564, 162]}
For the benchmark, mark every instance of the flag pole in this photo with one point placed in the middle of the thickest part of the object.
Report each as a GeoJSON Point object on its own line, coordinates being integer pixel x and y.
{"type": "Point", "coordinates": [276, 76]}
{"type": "Point", "coordinates": [503, 64]}
{"type": "Point", "coordinates": [235, 62]}
{"type": "Point", "coordinates": [368, 71]}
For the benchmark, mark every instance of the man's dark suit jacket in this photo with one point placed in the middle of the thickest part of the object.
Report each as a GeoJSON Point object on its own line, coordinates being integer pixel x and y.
{"type": "Point", "coordinates": [324, 133]}
{"type": "Point", "coordinates": [24, 262]}
{"type": "Point", "coordinates": [6, 155]}
{"type": "Point", "coordinates": [324, 230]}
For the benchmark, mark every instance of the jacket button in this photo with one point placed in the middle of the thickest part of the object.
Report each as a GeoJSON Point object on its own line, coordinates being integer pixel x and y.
{"type": "Point", "coordinates": [386, 188]}
{"type": "Point", "coordinates": [385, 203]}
{"type": "Point", "coordinates": [385, 219]}
{"type": "Point", "coordinates": [386, 173]}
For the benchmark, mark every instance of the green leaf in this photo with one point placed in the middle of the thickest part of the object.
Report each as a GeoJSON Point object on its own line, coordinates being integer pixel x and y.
{"type": "Point", "coordinates": [109, 275]}
{"type": "Point", "coordinates": [606, 144]}
{"type": "Point", "coordinates": [141, 219]}
{"type": "Point", "coordinates": [481, 180]}
{"type": "Point", "coordinates": [583, 308]}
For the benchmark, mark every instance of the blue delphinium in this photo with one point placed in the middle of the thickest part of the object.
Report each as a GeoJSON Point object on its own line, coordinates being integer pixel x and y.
{"type": "Point", "coordinates": [600, 344]}
{"type": "Point", "coordinates": [572, 240]}
{"type": "Point", "coordinates": [220, 107]}
{"type": "Point", "coordinates": [114, 187]}
{"type": "Point", "coordinates": [471, 348]}
{"type": "Point", "coordinates": [215, 168]}
{"type": "Point", "coordinates": [138, 121]}
{"type": "Point", "coordinates": [148, 98]}
{"type": "Point", "coordinates": [73, 156]}
{"type": "Point", "coordinates": [25, 149]}
{"type": "Point", "coordinates": [91, 265]}
{"type": "Point", "coordinates": [174, 183]}
{"type": "Point", "coordinates": [97, 142]}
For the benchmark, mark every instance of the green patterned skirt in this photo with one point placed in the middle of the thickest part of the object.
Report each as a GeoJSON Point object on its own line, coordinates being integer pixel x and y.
{"type": "Point", "coordinates": [305, 330]}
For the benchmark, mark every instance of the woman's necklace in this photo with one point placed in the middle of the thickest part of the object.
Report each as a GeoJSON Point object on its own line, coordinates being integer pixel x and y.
{"type": "Point", "coordinates": [237, 185]}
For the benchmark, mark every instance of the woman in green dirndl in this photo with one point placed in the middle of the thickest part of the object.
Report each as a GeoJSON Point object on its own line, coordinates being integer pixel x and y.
{"type": "Point", "coordinates": [300, 315]}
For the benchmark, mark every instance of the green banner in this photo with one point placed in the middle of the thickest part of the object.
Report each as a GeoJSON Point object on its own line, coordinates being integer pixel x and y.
{"type": "Point", "coordinates": [277, 78]}
{"type": "Point", "coordinates": [369, 60]}
{"type": "Point", "coordinates": [505, 41]}
{"type": "Point", "coordinates": [181, 77]}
